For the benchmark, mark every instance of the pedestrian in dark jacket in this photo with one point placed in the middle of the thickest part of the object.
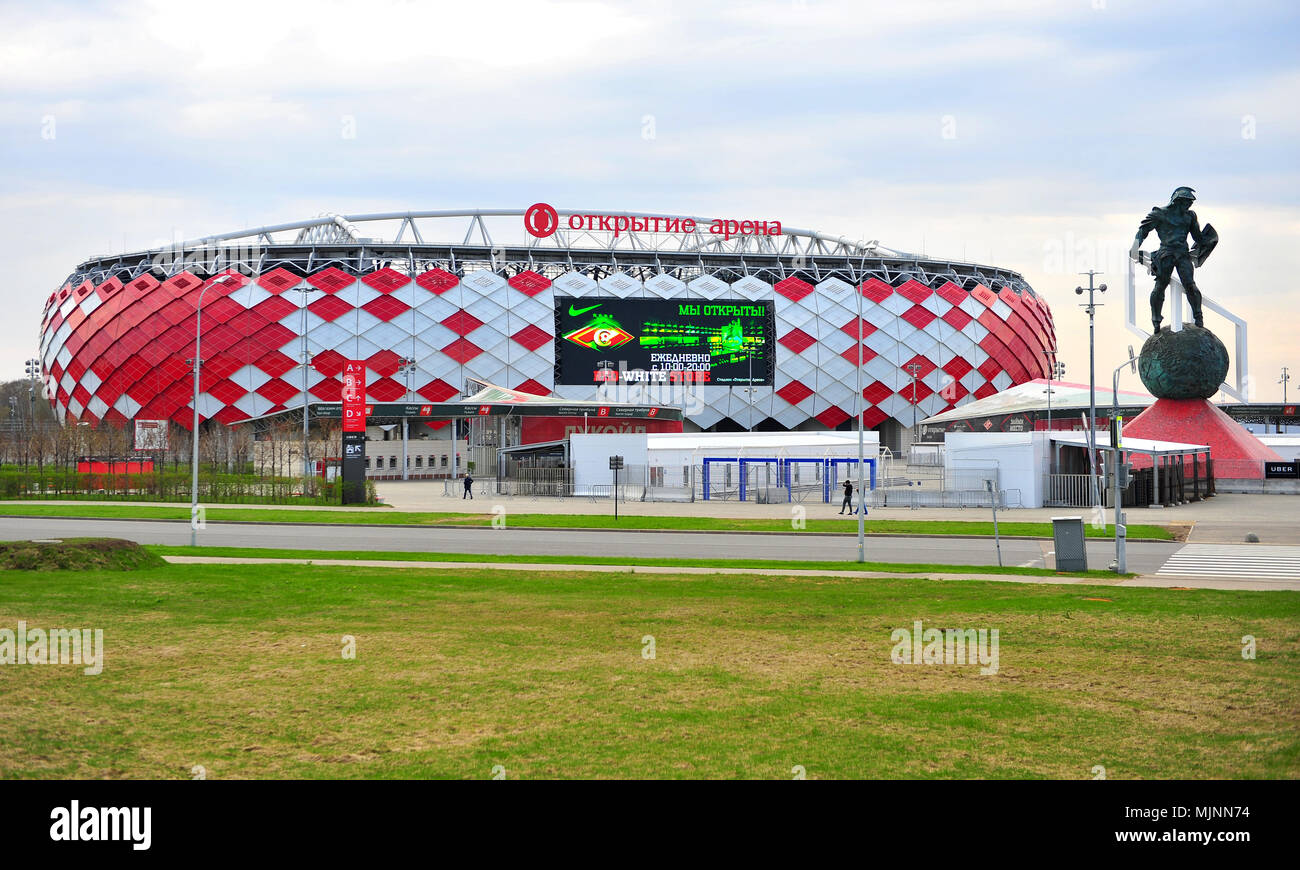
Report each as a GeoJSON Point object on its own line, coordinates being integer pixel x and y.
{"type": "Point", "coordinates": [848, 497]}
{"type": "Point", "coordinates": [469, 492]}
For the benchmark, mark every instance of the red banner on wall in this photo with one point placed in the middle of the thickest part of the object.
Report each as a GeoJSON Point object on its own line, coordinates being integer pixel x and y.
{"type": "Point", "coordinates": [354, 396]}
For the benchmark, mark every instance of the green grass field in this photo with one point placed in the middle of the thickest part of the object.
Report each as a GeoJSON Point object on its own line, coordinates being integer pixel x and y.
{"type": "Point", "coordinates": [240, 670]}
{"type": "Point", "coordinates": [471, 558]}
{"type": "Point", "coordinates": [575, 521]}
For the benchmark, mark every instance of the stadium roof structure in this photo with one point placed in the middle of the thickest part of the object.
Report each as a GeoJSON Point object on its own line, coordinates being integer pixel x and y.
{"type": "Point", "coordinates": [463, 240]}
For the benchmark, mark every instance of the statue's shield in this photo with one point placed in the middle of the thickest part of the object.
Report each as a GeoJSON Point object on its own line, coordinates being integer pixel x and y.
{"type": "Point", "coordinates": [1201, 250]}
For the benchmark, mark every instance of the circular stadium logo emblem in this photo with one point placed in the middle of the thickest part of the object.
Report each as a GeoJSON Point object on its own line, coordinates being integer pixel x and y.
{"type": "Point", "coordinates": [541, 220]}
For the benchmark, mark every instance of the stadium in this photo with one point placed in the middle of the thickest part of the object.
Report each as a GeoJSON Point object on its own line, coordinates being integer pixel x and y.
{"type": "Point", "coordinates": [743, 324]}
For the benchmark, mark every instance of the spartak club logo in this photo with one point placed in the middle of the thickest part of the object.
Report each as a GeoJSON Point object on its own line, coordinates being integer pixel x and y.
{"type": "Point", "coordinates": [602, 333]}
{"type": "Point", "coordinates": [541, 220]}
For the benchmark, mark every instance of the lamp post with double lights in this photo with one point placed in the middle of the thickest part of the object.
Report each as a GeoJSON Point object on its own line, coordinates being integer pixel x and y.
{"type": "Point", "coordinates": [197, 362]}
{"type": "Point", "coordinates": [1091, 306]}
{"type": "Point", "coordinates": [857, 403]}
{"type": "Point", "coordinates": [1286, 376]}
{"type": "Point", "coordinates": [913, 369]}
{"type": "Point", "coordinates": [1121, 533]}
{"type": "Point", "coordinates": [406, 367]}
{"type": "Point", "coordinates": [305, 362]}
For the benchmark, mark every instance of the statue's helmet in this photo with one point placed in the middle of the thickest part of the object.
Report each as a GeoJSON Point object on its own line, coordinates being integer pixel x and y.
{"type": "Point", "coordinates": [1183, 193]}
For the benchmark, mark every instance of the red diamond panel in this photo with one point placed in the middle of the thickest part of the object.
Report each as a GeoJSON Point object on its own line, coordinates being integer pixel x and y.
{"type": "Point", "coordinates": [386, 307]}
{"type": "Point", "coordinates": [330, 307]}
{"type": "Point", "coordinates": [851, 328]}
{"type": "Point", "coordinates": [953, 393]}
{"type": "Point", "coordinates": [529, 283]}
{"type": "Point", "coordinates": [386, 280]}
{"type": "Point", "coordinates": [984, 295]}
{"type": "Point", "coordinates": [385, 363]}
{"type": "Point", "coordinates": [918, 316]}
{"type": "Point", "coordinates": [437, 391]}
{"type": "Point", "coordinates": [278, 391]}
{"type": "Point", "coordinates": [851, 354]}
{"type": "Point", "coordinates": [794, 392]}
{"type": "Point", "coordinates": [278, 280]}
{"type": "Point", "coordinates": [950, 292]}
{"type": "Point", "coordinates": [876, 393]}
{"type": "Point", "coordinates": [985, 391]}
{"type": "Point", "coordinates": [926, 365]}
{"type": "Point", "coordinates": [385, 390]}
{"type": "Point", "coordinates": [275, 363]}
{"type": "Point", "coordinates": [329, 362]}
{"type": "Point", "coordinates": [276, 308]}
{"type": "Point", "coordinates": [462, 350]}
{"type": "Point", "coordinates": [990, 368]}
{"type": "Point", "coordinates": [331, 280]}
{"type": "Point", "coordinates": [532, 337]}
{"type": "Point", "coordinates": [108, 288]}
{"type": "Point", "coordinates": [914, 291]}
{"type": "Point", "coordinates": [956, 318]}
{"type": "Point", "coordinates": [832, 417]}
{"type": "Point", "coordinates": [793, 288]}
{"type": "Point", "coordinates": [797, 340]}
{"type": "Point", "coordinates": [531, 386]}
{"type": "Point", "coordinates": [873, 417]}
{"type": "Point", "coordinates": [876, 290]}
{"type": "Point", "coordinates": [462, 323]}
{"type": "Point", "coordinates": [227, 392]}
{"type": "Point", "coordinates": [229, 415]}
{"type": "Point", "coordinates": [957, 367]}
{"type": "Point", "coordinates": [437, 281]}
{"type": "Point", "coordinates": [922, 391]}
{"type": "Point", "coordinates": [328, 390]}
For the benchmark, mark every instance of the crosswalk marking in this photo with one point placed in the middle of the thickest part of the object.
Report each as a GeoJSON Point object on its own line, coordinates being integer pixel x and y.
{"type": "Point", "coordinates": [1234, 560]}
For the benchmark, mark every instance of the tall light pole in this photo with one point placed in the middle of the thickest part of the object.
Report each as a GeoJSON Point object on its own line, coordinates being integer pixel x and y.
{"type": "Point", "coordinates": [857, 404]}
{"type": "Point", "coordinates": [1091, 306]}
{"type": "Point", "coordinates": [406, 367]}
{"type": "Point", "coordinates": [1055, 369]}
{"type": "Point", "coordinates": [913, 369]}
{"type": "Point", "coordinates": [306, 361]}
{"type": "Point", "coordinates": [1121, 559]}
{"type": "Point", "coordinates": [1286, 376]}
{"type": "Point", "coordinates": [197, 362]}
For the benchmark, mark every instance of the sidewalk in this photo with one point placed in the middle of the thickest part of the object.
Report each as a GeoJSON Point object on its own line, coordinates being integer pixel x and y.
{"type": "Point", "coordinates": [1142, 581]}
{"type": "Point", "coordinates": [1226, 518]}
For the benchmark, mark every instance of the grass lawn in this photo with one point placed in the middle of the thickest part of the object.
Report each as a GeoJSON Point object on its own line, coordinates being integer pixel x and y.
{"type": "Point", "coordinates": [471, 558]}
{"type": "Point", "coordinates": [240, 670]}
{"type": "Point", "coordinates": [576, 521]}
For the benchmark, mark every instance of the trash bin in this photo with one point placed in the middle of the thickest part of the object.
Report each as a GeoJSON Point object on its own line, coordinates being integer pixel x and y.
{"type": "Point", "coordinates": [1071, 553]}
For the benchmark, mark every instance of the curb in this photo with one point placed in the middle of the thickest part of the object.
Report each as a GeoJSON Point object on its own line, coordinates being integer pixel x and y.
{"type": "Point", "coordinates": [570, 529]}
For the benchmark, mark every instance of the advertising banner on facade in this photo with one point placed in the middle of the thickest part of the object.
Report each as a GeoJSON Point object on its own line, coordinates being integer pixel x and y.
{"type": "Point", "coordinates": [727, 342]}
{"type": "Point", "coordinates": [150, 434]}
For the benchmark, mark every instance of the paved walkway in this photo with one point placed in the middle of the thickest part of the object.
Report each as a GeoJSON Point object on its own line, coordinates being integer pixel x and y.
{"type": "Point", "coordinates": [1142, 581]}
{"type": "Point", "coordinates": [1224, 519]}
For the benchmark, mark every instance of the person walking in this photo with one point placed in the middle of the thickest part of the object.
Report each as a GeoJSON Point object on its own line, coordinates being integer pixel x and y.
{"type": "Point", "coordinates": [848, 497]}
{"type": "Point", "coordinates": [469, 491]}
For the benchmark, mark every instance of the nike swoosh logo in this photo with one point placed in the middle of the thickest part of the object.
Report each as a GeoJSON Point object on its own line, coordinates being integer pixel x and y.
{"type": "Point", "coordinates": [574, 312]}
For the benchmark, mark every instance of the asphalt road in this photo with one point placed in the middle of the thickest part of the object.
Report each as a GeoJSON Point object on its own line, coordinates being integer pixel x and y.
{"type": "Point", "coordinates": [1143, 557]}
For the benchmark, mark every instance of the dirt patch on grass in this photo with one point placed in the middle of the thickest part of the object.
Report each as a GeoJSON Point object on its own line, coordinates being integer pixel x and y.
{"type": "Point", "coordinates": [77, 554]}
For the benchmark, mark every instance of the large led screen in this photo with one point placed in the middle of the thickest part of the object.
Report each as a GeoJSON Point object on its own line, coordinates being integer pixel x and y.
{"type": "Point", "coordinates": [612, 340]}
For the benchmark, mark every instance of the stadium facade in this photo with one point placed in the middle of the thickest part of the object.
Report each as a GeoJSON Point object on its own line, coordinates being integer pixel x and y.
{"type": "Point", "coordinates": [744, 324]}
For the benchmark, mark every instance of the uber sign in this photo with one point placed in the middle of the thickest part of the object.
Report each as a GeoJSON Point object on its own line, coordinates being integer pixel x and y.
{"type": "Point", "coordinates": [1282, 469]}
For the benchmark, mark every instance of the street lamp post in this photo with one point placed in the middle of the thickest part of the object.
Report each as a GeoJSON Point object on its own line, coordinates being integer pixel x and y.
{"type": "Point", "coordinates": [1286, 376]}
{"type": "Point", "coordinates": [197, 362]}
{"type": "Point", "coordinates": [306, 361]}
{"type": "Point", "coordinates": [1091, 306]}
{"type": "Point", "coordinates": [1121, 537]}
{"type": "Point", "coordinates": [913, 369]}
{"type": "Point", "coordinates": [406, 367]}
{"type": "Point", "coordinates": [857, 404]}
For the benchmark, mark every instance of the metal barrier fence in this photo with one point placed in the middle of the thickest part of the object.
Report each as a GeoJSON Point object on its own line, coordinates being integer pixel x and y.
{"type": "Point", "coordinates": [1067, 490]}
{"type": "Point", "coordinates": [925, 455]}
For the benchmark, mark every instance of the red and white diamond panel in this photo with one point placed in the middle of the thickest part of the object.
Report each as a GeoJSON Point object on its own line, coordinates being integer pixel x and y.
{"type": "Point", "coordinates": [115, 352]}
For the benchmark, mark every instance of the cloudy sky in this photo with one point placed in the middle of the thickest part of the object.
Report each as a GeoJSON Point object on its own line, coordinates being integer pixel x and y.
{"type": "Point", "coordinates": [1030, 135]}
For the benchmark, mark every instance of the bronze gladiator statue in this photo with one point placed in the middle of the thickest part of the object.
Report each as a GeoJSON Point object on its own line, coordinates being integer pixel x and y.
{"type": "Point", "coordinates": [1172, 224]}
